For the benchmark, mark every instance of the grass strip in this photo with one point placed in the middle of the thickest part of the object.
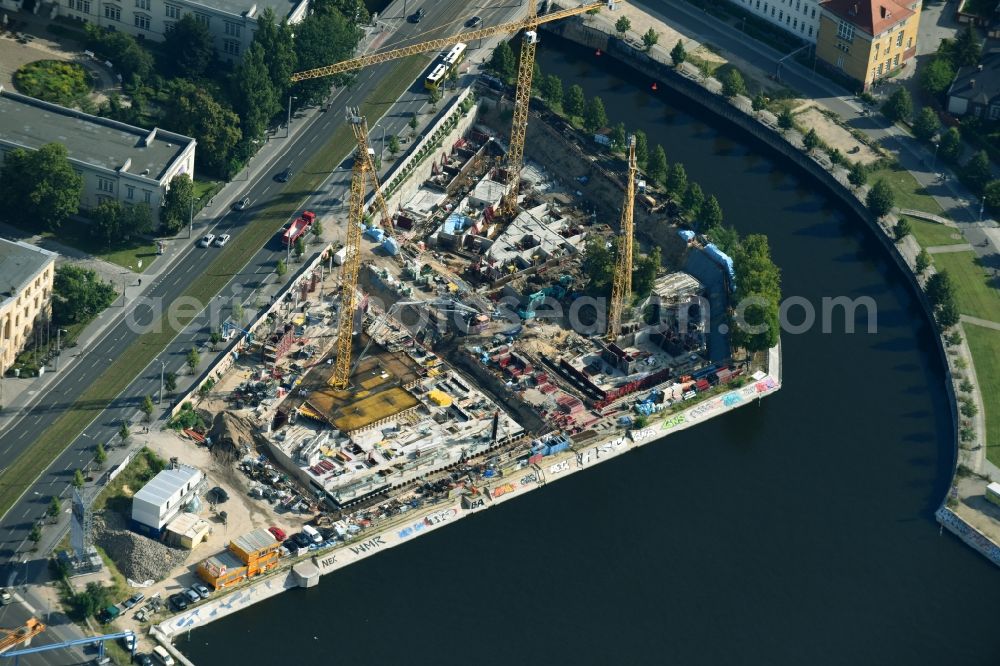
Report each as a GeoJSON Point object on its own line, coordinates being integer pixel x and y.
{"type": "Point", "coordinates": [22, 472]}
{"type": "Point", "coordinates": [907, 192]}
{"type": "Point", "coordinates": [930, 234]}
{"type": "Point", "coordinates": [973, 290]}
{"type": "Point", "coordinates": [985, 346]}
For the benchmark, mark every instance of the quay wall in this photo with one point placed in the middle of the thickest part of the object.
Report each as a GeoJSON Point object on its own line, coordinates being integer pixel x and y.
{"type": "Point", "coordinates": [409, 525]}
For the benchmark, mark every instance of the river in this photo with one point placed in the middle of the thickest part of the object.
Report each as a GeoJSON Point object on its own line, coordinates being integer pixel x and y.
{"type": "Point", "coordinates": [798, 531]}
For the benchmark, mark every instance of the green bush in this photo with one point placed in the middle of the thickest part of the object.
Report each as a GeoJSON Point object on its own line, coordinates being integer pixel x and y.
{"type": "Point", "coordinates": [53, 81]}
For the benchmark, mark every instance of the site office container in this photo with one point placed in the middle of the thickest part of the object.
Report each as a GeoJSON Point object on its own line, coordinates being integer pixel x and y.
{"type": "Point", "coordinates": [222, 570]}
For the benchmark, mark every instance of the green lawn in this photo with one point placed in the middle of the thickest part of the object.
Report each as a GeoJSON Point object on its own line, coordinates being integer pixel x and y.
{"type": "Point", "coordinates": [908, 192]}
{"type": "Point", "coordinates": [985, 346]}
{"type": "Point", "coordinates": [205, 187]}
{"type": "Point", "coordinates": [929, 234]}
{"type": "Point", "coordinates": [127, 255]}
{"type": "Point", "coordinates": [17, 477]}
{"type": "Point", "coordinates": [975, 296]}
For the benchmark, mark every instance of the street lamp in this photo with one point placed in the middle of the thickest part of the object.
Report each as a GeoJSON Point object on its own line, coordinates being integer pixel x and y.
{"type": "Point", "coordinates": [159, 397]}
{"type": "Point", "coordinates": [982, 205]}
{"type": "Point", "coordinates": [288, 123]}
{"type": "Point", "coordinates": [59, 331]}
{"type": "Point", "coordinates": [191, 217]}
{"type": "Point", "coordinates": [934, 161]}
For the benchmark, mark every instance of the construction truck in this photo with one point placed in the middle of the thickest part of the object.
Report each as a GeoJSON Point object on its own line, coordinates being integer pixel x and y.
{"type": "Point", "coordinates": [298, 228]}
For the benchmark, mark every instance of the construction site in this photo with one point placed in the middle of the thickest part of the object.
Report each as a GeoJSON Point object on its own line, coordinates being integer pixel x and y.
{"type": "Point", "coordinates": [449, 344]}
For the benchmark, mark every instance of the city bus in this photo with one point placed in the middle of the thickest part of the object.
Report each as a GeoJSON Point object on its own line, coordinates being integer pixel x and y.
{"type": "Point", "coordinates": [449, 63]}
{"type": "Point", "coordinates": [454, 56]}
{"type": "Point", "coordinates": [436, 77]}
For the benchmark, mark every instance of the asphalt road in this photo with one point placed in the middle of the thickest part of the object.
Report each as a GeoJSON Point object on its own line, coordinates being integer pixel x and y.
{"type": "Point", "coordinates": [449, 16]}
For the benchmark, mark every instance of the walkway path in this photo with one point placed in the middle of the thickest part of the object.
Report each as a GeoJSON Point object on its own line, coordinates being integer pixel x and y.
{"type": "Point", "coordinates": [985, 323]}
{"type": "Point", "coordinates": [944, 249]}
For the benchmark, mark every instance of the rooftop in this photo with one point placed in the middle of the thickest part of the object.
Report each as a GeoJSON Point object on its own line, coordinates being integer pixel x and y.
{"type": "Point", "coordinates": [259, 539]}
{"type": "Point", "coordinates": [32, 123]}
{"type": "Point", "coordinates": [979, 83]}
{"type": "Point", "coordinates": [534, 232]}
{"type": "Point", "coordinates": [282, 8]}
{"type": "Point", "coordinates": [872, 16]}
{"type": "Point", "coordinates": [19, 264]}
{"type": "Point", "coordinates": [164, 485]}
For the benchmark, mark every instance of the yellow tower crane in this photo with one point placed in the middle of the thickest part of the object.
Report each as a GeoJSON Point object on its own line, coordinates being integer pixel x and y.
{"type": "Point", "coordinates": [621, 285]}
{"type": "Point", "coordinates": [9, 638]}
{"type": "Point", "coordinates": [529, 24]}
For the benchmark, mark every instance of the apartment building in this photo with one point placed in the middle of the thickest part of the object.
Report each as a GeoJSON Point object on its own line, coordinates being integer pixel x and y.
{"type": "Point", "coordinates": [798, 17]}
{"type": "Point", "coordinates": [26, 275]}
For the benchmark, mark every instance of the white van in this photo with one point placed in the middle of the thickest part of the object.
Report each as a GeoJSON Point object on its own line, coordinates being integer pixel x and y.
{"type": "Point", "coordinates": [163, 656]}
{"type": "Point", "coordinates": [312, 533]}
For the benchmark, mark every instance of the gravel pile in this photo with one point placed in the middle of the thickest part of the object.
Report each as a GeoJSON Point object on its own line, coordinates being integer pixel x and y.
{"type": "Point", "coordinates": [139, 558]}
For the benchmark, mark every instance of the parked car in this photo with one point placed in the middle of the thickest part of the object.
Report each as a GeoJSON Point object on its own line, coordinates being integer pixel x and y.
{"type": "Point", "coordinates": [203, 590]}
{"type": "Point", "coordinates": [416, 16]}
{"type": "Point", "coordinates": [277, 533]}
{"type": "Point", "coordinates": [129, 642]}
{"type": "Point", "coordinates": [101, 661]}
{"type": "Point", "coordinates": [302, 540]}
{"type": "Point", "coordinates": [144, 659]}
{"type": "Point", "coordinates": [217, 495]}
{"type": "Point", "coordinates": [193, 597]}
{"type": "Point", "coordinates": [206, 240]}
{"type": "Point", "coordinates": [179, 601]}
{"type": "Point", "coordinates": [128, 603]}
{"type": "Point", "coordinates": [5, 597]}
{"type": "Point", "coordinates": [474, 22]}
{"type": "Point", "coordinates": [222, 240]}
{"type": "Point", "coordinates": [136, 598]}
{"type": "Point", "coordinates": [285, 175]}
{"type": "Point", "coordinates": [242, 204]}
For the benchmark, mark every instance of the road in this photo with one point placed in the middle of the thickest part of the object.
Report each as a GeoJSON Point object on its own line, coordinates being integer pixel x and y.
{"type": "Point", "coordinates": [958, 202]}
{"type": "Point", "coordinates": [83, 370]}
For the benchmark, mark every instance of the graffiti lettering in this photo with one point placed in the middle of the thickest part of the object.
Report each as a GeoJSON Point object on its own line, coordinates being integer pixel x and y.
{"type": "Point", "coordinates": [372, 544]}
{"type": "Point", "coordinates": [529, 478]}
{"type": "Point", "coordinates": [673, 421]}
{"type": "Point", "coordinates": [559, 467]}
{"type": "Point", "coordinates": [731, 399]}
{"type": "Point", "coordinates": [477, 503]}
{"type": "Point", "coordinates": [328, 561]}
{"type": "Point", "coordinates": [499, 491]}
{"type": "Point", "coordinates": [440, 517]}
{"type": "Point", "coordinates": [639, 435]}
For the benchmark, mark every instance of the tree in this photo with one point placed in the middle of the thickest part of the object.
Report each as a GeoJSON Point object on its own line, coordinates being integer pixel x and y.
{"type": "Point", "coordinates": [177, 203]}
{"type": "Point", "coordinates": [650, 38]}
{"type": "Point", "coordinates": [623, 25]}
{"type": "Point", "coordinates": [317, 230]}
{"type": "Point", "coordinates": [78, 479]}
{"type": "Point", "coordinates": [353, 10]}
{"type": "Point", "coordinates": [321, 39]}
{"type": "Point", "coordinates": [977, 172]}
{"type": "Point", "coordinates": [939, 288]}
{"type": "Point", "coordinates": [575, 101]}
{"type": "Point", "coordinates": [434, 95]}
{"type": "Point", "coordinates": [55, 506]}
{"type": "Point", "coordinates": [968, 409]}
{"type": "Point", "coordinates": [785, 119]}
{"type": "Point", "coordinates": [678, 54]}
{"type": "Point", "coordinates": [94, 598]}
{"type": "Point", "coordinates": [594, 116]}
{"type": "Point", "coordinates": [880, 199]}
{"type": "Point", "coordinates": [78, 294]}
{"type": "Point", "coordinates": [137, 220]}
{"type": "Point", "coordinates": [810, 140]}
{"type": "Point", "coordinates": [36, 533]}
{"type": "Point", "coordinates": [857, 175]}
{"type": "Point", "coordinates": [278, 45]}
{"type": "Point", "coordinates": [503, 63]}
{"type": "Point", "coordinates": [992, 194]}
{"type": "Point", "coordinates": [280, 268]}
{"type": "Point", "coordinates": [107, 217]}
{"type": "Point", "coordinates": [618, 137]}
{"type": "Point", "coordinates": [644, 274]}
{"type": "Point", "coordinates": [641, 149]}
{"type": "Point", "coordinates": [393, 144]}
{"type": "Point", "coordinates": [759, 102]}
{"type": "Point", "coordinates": [658, 165]}
{"type": "Point", "coordinates": [936, 76]}
{"type": "Point", "coordinates": [255, 97]}
{"type": "Point", "coordinates": [413, 122]}
{"type": "Point", "coordinates": [300, 247]}
{"type": "Point", "coordinates": [147, 406]}
{"type": "Point", "coordinates": [190, 46]}
{"type": "Point", "coordinates": [122, 50]}
{"type": "Point", "coordinates": [598, 265]}
{"type": "Point", "coordinates": [677, 180]}
{"type": "Point", "coordinates": [193, 358]}
{"type": "Point", "coordinates": [711, 213]}
{"type": "Point", "coordinates": [926, 124]}
{"type": "Point", "coordinates": [947, 314]}
{"type": "Point", "coordinates": [237, 313]}
{"type": "Point", "coordinates": [950, 146]}
{"type": "Point", "coordinates": [214, 338]}
{"type": "Point", "coordinates": [693, 199]}
{"type": "Point", "coordinates": [899, 106]}
{"type": "Point", "coordinates": [968, 48]}
{"type": "Point", "coordinates": [902, 229]}
{"type": "Point", "coordinates": [194, 111]}
{"type": "Point", "coordinates": [170, 382]}
{"type": "Point", "coordinates": [100, 455]}
{"type": "Point", "coordinates": [733, 83]}
{"type": "Point", "coordinates": [41, 185]}
{"type": "Point", "coordinates": [922, 262]}
{"type": "Point", "coordinates": [755, 325]}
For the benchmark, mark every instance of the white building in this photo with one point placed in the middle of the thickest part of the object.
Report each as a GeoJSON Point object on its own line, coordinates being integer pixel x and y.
{"type": "Point", "coordinates": [799, 17]}
{"type": "Point", "coordinates": [232, 23]}
{"type": "Point", "coordinates": [164, 497]}
{"type": "Point", "coordinates": [117, 161]}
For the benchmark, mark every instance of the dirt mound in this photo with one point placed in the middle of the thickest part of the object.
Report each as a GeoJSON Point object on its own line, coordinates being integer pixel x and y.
{"type": "Point", "coordinates": [139, 558]}
{"type": "Point", "coordinates": [232, 437]}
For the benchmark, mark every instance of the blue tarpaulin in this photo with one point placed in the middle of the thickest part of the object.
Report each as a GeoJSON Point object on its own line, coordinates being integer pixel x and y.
{"type": "Point", "coordinates": [390, 246]}
{"type": "Point", "coordinates": [686, 234]}
{"type": "Point", "coordinates": [721, 258]}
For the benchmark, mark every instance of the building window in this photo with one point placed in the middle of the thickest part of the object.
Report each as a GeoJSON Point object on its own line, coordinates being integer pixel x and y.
{"type": "Point", "coordinates": [202, 18]}
{"type": "Point", "coordinates": [105, 185]}
{"type": "Point", "coordinates": [233, 29]}
{"type": "Point", "coordinates": [814, 12]}
{"type": "Point", "coordinates": [994, 112]}
{"type": "Point", "coordinates": [142, 21]}
{"type": "Point", "coordinates": [772, 11]}
{"type": "Point", "coordinates": [781, 15]}
{"type": "Point", "coordinates": [909, 42]}
{"type": "Point", "coordinates": [788, 20]}
{"type": "Point", "coordinates": [845, 31]}
{"type": "Point", "coordinates": [758, 4]}
{"type": "Point", "coordinates": [880, 69]}
{"type": "Point", "coordinates": [795, 24]}
{"type": "Point", "coordinates": [231, 47]}
{"type": "Point", "coordinates": [899, 39]}
{"type": "Point", "coordinates": [168, 26]}
{"type": "Point", "coordinates": [142, 4]}
{"type": "Point", "coordinates": [113, 12]}
{"type": "Point", "coordinates": [83, 6]}
{"type": "Point", "coordinates": [146, 195]}
{"type": "Point", "coordinates": [798, 5]}
{"type": "Point", "coordinates": [810, 31]}
{"type": "Point", "coordinates": [173, 11]}
{"type": "Point", "coordinates": [895, 61]}
{"type": "Point", "coordinates": [129, 191]}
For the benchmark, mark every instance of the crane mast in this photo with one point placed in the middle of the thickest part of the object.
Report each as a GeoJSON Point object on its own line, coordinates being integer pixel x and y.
{"type": "Point", "coordinates": [621, 286]}
{"type": "Point", "coordinates": [522, 98]}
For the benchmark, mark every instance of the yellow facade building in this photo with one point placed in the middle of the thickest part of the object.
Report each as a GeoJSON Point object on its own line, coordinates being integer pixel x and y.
{"type": "Point", "coordinates": [26, 275]}
{"type": "Point", "coordinates": [868, 39]}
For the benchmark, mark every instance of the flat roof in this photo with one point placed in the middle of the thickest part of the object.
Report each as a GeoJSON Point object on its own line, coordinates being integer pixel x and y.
{"type": "Point", "coordinates": [282, 8]}
{"type": "Point", "coordinates": [259, 539]}
{"type": "Point", "coordinates": [32, 123]}
{"type": "Point", "coordinates": [163, 486]}
{"type": "Point", "coordinates": [19, 264]}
